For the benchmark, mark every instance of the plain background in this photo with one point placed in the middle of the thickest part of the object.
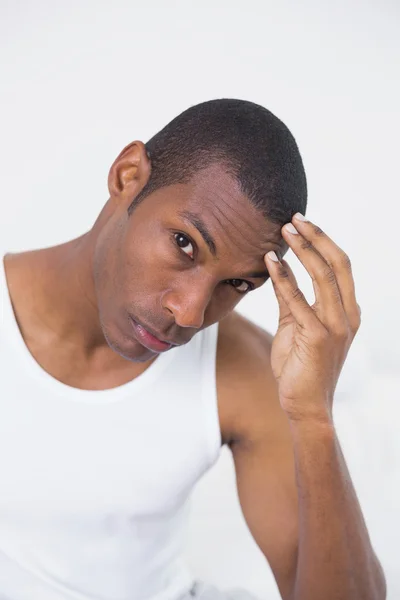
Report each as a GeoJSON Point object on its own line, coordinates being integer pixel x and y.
{"type": "Point", "coordinates": [80, 80]}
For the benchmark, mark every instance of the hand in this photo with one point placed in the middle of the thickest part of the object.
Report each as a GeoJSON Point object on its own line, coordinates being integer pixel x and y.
{"type": "Point", "coordinates": [312, 342]}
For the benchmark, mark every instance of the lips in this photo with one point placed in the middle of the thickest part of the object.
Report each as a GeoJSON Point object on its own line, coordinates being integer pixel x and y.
{"type": "Point", "coordinates": [147, 339]}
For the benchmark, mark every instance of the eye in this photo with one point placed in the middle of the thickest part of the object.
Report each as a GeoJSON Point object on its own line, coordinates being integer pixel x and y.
{"type": "Point", "coordinates": [237, 283]}
{"type": "Point", "coordinates": [183, 242]}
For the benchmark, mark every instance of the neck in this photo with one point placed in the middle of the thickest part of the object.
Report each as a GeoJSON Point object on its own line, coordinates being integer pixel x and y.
{"type": "Point", "coordinates": [60, 284]}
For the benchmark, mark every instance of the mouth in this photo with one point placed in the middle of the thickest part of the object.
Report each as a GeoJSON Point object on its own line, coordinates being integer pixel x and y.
{"type": "Point", "coordinates": [149, 340]}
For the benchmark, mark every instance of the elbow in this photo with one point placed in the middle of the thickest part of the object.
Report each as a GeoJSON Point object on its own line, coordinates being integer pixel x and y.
{"type": "Point", "coordinates": [380, 587]}
{"type": "Point", "coordinates": [372, 587]}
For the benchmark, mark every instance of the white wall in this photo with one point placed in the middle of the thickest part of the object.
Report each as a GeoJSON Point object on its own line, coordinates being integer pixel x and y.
{"type": "Point", "coordinates": [80, 80]}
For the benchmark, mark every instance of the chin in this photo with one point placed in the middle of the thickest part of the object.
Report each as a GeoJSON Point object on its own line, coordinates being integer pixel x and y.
{"type": "Point", "coordinates": [128, 348]}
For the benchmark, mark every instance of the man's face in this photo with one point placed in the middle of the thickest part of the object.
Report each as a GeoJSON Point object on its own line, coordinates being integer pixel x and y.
{"type": "Point", "coordinates": [155, 267]}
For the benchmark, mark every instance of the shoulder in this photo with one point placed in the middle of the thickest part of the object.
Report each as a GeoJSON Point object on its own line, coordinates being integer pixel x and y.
{"type": "Point", "coordinates": [18, 266]}
{"type": "Point", "coordinates": [246, 386]}
{"type": "Point", "coordinates": [236, 327]}
{"type": "Point", "coordinates": [21, 275]}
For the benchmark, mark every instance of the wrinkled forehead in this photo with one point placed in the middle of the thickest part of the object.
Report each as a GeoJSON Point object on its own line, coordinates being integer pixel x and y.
{"type": "Point", "coordinates": [215, 197]}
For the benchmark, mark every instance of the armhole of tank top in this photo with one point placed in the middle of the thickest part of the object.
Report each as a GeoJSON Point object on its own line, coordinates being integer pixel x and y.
{"type": "Point", "coordinates": [3, 293]}
{"type": "Point", "coordinates": [209, 392]}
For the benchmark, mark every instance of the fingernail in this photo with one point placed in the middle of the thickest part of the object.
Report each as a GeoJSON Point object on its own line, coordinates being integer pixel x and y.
{"type": "Point", "coordinates": [291, 228]}
{"type": "Point", "coordinates": [300, 217]}
{"type": "Point", "coordinates": [271, 254]}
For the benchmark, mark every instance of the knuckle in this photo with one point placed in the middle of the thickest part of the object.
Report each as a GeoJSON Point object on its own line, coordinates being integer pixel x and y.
{"type": "Point", "coordinates": [345, 261]}
{"type": "Point", "coordinates": [298, 295]}
{"type": "Point", "coordinates": [318, 231]}
{"type": "Point", "coordinates": [283, 271]}
{"type": "Point", "coordinates": [341, 332]}
{"type": "Point", "coordinates": [328, 274]}
{"type": "Point", "coordinates": [306, 244]}
{"type": "Point", "coordinates": [355, 324]}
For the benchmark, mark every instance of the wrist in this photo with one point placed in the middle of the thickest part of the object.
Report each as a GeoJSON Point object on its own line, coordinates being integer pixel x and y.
{"type": "Point", "coordinates": [313, 412]}
{"type": "Point", "coordinates": [321, 418]}
{"type": "Point", "coordinates": [312, 427]}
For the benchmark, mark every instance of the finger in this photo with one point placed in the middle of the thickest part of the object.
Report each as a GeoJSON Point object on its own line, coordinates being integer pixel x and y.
{"type": "Point", "coordinates": [284, 310]}
{"type": "Point", "coordinates": [330, 309]}
{"type": "Point", "coordinates": [339, 263]}
{"type": "Point", "coordinates": [286, 288]}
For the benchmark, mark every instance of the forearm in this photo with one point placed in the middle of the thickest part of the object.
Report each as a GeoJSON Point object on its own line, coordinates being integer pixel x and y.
{"type": "Point", "coordinates": [335, 556]}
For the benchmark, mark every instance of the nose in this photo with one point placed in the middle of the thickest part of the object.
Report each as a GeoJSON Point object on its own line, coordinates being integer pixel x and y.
{"type": "Point", "coordinates": [188, 304]}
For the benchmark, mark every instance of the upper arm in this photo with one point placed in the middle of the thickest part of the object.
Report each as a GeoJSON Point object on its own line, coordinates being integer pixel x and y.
{"type": "Point", "coordinates": [262, 451]}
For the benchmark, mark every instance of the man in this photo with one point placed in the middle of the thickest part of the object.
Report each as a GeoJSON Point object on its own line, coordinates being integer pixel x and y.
{"type": "Point", "coordinates": [125, 368]}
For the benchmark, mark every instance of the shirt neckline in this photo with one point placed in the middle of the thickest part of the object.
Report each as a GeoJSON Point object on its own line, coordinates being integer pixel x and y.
{"type": "Point", "coordinates": [55, 385]}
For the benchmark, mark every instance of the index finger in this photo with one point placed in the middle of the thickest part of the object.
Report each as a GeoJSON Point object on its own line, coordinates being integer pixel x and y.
{"type": "Point", "coordinates": [337, 260]}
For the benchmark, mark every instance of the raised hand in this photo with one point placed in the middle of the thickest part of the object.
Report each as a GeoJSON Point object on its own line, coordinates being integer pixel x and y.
{"type": "Point", "coordinates": [312, 342]}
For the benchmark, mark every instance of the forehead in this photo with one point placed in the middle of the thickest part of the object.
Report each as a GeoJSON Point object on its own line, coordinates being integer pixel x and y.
{"type": "Point", "coordinates": [215, 197]}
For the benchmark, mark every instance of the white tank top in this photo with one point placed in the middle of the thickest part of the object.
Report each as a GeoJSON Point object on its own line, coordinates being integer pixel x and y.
{"type": "Point", "coordinates": [95, 485]}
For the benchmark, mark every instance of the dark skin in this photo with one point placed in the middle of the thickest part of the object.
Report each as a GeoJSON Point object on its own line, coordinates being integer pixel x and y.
{"type": "Point", "coordinates": [178, 290]}
{"type": "Point", "coordinates": [81, 293]}
{"type": "Point", "coordinates": [73, 302]}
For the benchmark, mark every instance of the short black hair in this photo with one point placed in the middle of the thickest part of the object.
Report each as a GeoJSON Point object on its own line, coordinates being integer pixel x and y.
{"type": "Point", "coordinates": [254, 145]}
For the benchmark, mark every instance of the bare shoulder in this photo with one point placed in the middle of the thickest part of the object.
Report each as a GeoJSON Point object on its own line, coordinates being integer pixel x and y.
{"type": "Point", "coordinates": [246, 386]}
{"type": "Point", "coordinates": [19, 265]}
{"type": "Point", "coordinates": [22, 272]}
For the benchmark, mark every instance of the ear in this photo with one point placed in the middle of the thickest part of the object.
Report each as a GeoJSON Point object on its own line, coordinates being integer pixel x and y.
{"type": "Point", "coordinates": [129, 173]}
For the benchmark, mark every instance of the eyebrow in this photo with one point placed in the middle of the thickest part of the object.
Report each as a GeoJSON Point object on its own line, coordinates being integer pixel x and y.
{"type": "Point", "coordinates": [201, 227]}
{"type": "Point", "coordinates": [258, 275]}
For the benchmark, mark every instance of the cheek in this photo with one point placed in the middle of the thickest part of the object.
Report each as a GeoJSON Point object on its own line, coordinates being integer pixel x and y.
{"type": "Point", "coordinates": [223, 301]}
{"type": "Point", "coordinates": [147, 263]}
{"type": "Point", "coordinates": [226, 298]}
